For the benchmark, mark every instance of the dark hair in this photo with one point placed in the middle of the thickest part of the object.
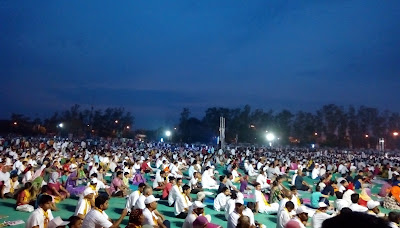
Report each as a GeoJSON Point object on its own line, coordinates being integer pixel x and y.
{"type": "Point", "coordinates": [256, 184]}
{"type": "Point", "coordinates": [94, 175]}
{"type": "Point", "coordinates": [355, 197]}
{"type": "Point", "coordinates": [339, 195]}
{"type": "Point", "coordinates": [251, 206]}
{"type": "Point", "coordinates": [73, 220]}
{"type": "Point", "coordinates": [355, 219]}
{"type": "Point", "coordinates": [100, 200]}
{"type": "Point", "coordinates": [162, 172]}
{"type": "Point", "coordinates": [178, 179]}
{"type": "Point", "coordinates": [45, 199]}
{"type": "Point", "coordinates": [221, 178]}
{"type": "Point", "coordinates": [224, 189]}
{"type": "Point", "coordinates": [185, 187]}
{"type": "Point", "coordinates": [229, 175]}
{"type": "Point", "coordinates": [141, 185]}
{"type": "Point", "coordinates": [393, 216]}
{"type": "Point", "coordinates": [13, 175]}
{"type": "Point", "coordinates": [234, 195]}
{"type": "Point", "coordinates": [171, 178]}
{"type": "Point", "coordinates": [293, 188]}
{"type": "Point", "coordinates": [119, 173]}
{"type": "Point", "coordinates": [317, 188]}
{"type": "Point", "coordinates": [345, 210]}
{"type": "Point", "coordinates": [289, 204]}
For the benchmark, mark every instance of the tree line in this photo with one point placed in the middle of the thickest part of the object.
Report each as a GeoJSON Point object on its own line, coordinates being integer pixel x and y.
{"type": "Point", "coordinates": [331, 125]}
{"type": "Point", "coordinates": [110, 122]}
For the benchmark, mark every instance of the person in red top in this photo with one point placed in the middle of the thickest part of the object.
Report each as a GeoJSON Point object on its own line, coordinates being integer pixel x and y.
{"type": "Point", "coordinates": [145, 166]}
{"type": "Point", "coordinates": [168, 188]}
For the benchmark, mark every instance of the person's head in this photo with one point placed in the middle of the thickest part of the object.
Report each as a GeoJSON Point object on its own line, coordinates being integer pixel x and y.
{"type": "Point", "coordinates": [373, 206]}
{"type": "Point", "coordinates": [322, 206]}
{"type": "Point", "coordinates": [179, 181]}
{"type": "Point", "coordinates": [317, 188]}
{"type": "Point", "coordinates": [141, 187]}
{"type": "Point", "coordinates": [198, 207]}
{"type": "Point", "coordinates": [75, 222]}
{"type": "Point", "coordinates": [239, 206]}
{"type": "Point", "coordinates": [355, 197]}
{"type": "Point", "coordinates": [243, 222]}
{"type": "Point", "coordinates": [151, 202]}
{"type": "Point", "coordinates": [101, 202]}
{"type": "Point", "coordinates": [289, 206]}
{"type": "Point", "coordinates": [293, 189]}
{"type": "Point", "coordinates": [226, 191]}
{"type": "Point", "coordinates": [163, 174]}
{"type": "Point", "coordinates": [171, 179]}
{"type": "Point", "coordinates": [147, 191]}
{"type": "Point", "coordinates": [28, 186]}
{"type": "Point", "coordinates": [45, 202]}
{"type": "Point", "coordinates": [251, 206]}
{"type": "Point", "coordinates": [136, 217]}
{"type": "Point", "coordinates": [222, 178]}
{"type": "Point", "coordinates": [229, 176]}
{"type": "Point", "coordinates": [339, 195]}
{"type": "Point", "coordinates": [394, 217]}
{"type": "Point", "coordinates": [302, 213]}
{"type": "Point", "coordinates": [355, 219]}
{"type": "Point", "coordinates": [186, 189]}
{"type": "Point", "coordinates": [344, 183]}
{"type": "Point", "coordinates": [14, 177]}
{"type": "Point", "coordinates": [126, 174]}
{"type": "Point", "coordinates": [120, 174]}
{"type": "Point", "coordinates": [345, 210]}
{"type": "Point", "coordinates": [257, 186]}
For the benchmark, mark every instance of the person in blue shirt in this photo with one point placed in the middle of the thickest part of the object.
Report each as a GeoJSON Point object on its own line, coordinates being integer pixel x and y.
{"type": "Point", "coordinates": [317, 197]}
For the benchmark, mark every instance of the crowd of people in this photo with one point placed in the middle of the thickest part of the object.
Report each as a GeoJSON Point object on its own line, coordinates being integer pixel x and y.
{"type": "Point", "coordinates": [299, 187]}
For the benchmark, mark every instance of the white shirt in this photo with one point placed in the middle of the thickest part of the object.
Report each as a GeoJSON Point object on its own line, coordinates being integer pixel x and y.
{"type": "Point", "coordinates": [341, 203]}
{"type": "Point", "coordinates": [37, 218]}
{"type": "Point", "coordinates": [182, 202]}
{"type": "Point", "coordinates": [132, 199]}
{"type": "Point", "coordinates": [283, 218]}
{"type": "Point", "coordinates": [157, 180]}
{"type": "Point", "coordinates": [357, 208]}
{"type": "Point", "coordinates": [4, 176]}
{"type": "Point", "coordinates": [192, 182]}
{"type": "Point", "coordinates": [140, 202]}
{"type": "Point", "coordinates": [229, 208]}
{"type": "Point", "coordinates": [148, 217]}
{"type": "Point", "coordinates": [8, 184]}
{"type": "Point", "coordinates": [220, 201]}
{"type": "Point", "coordinates": [83, 207]}
{"type": "Point", "coordinates": [249, 214]}
{"type": "Point", "coordinates": [393, 225]}
{"type": "Point", "coordinates": [319, 218]}
{"type": "Point", "coordinates": [315, 173]}
{"type": "Point", "coordinates": [96, 219]}
{"type": "Point", "coordinates": [173, 194]}
{"type": "Point", "coordinates": [233, 219]}
{"type": "Point", "coordinates": [189, 220]}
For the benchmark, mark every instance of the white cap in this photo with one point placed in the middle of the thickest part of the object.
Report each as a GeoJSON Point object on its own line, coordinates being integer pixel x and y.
{"type": "Point", "coordinates": [395, 173]}
{"type": "Point", "coordinates": [150, 199]}
{"type": "Point", "coordinates": [322, 204]}
{"type": "Point", "coordinates": [239, 200]}
{"type": "Point", "coordinates": [88, 191]}
{"type": "Point", "coordinates": [372, 204]}
{"type": "Point", "coordinates": [56, 222]}
{"type": "Point", "coordinates": [198, 204]}
{"type": "Point", "coordinates": [301, 209]}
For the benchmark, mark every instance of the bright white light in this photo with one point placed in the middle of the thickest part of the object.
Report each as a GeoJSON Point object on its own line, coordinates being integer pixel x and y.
{"type": "Point", "coordinates": [162, 140]}
{"type": "Point", "coordinates": [270, 137]}
{"type": "Point", "coordinates": [61, 125]}
{"type": "Point", "coordinates": [168, 133]}
{"type": "Point", "coordinates": [313, 146]}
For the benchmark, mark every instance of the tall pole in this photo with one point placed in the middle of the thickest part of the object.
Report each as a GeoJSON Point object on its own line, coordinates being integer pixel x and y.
{"type": "Point", "coordinates": [222, 131]}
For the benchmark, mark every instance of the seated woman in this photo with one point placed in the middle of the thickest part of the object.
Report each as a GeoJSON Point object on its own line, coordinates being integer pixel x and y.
{"type": "Point", "coordinates": [71, 184]}
{"type": "Point", "coordinates": [56, 189]}
{"type": "Point", "coordinates": [43, 191]}
{"type": "Point", "coordinates": [24, 198]}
